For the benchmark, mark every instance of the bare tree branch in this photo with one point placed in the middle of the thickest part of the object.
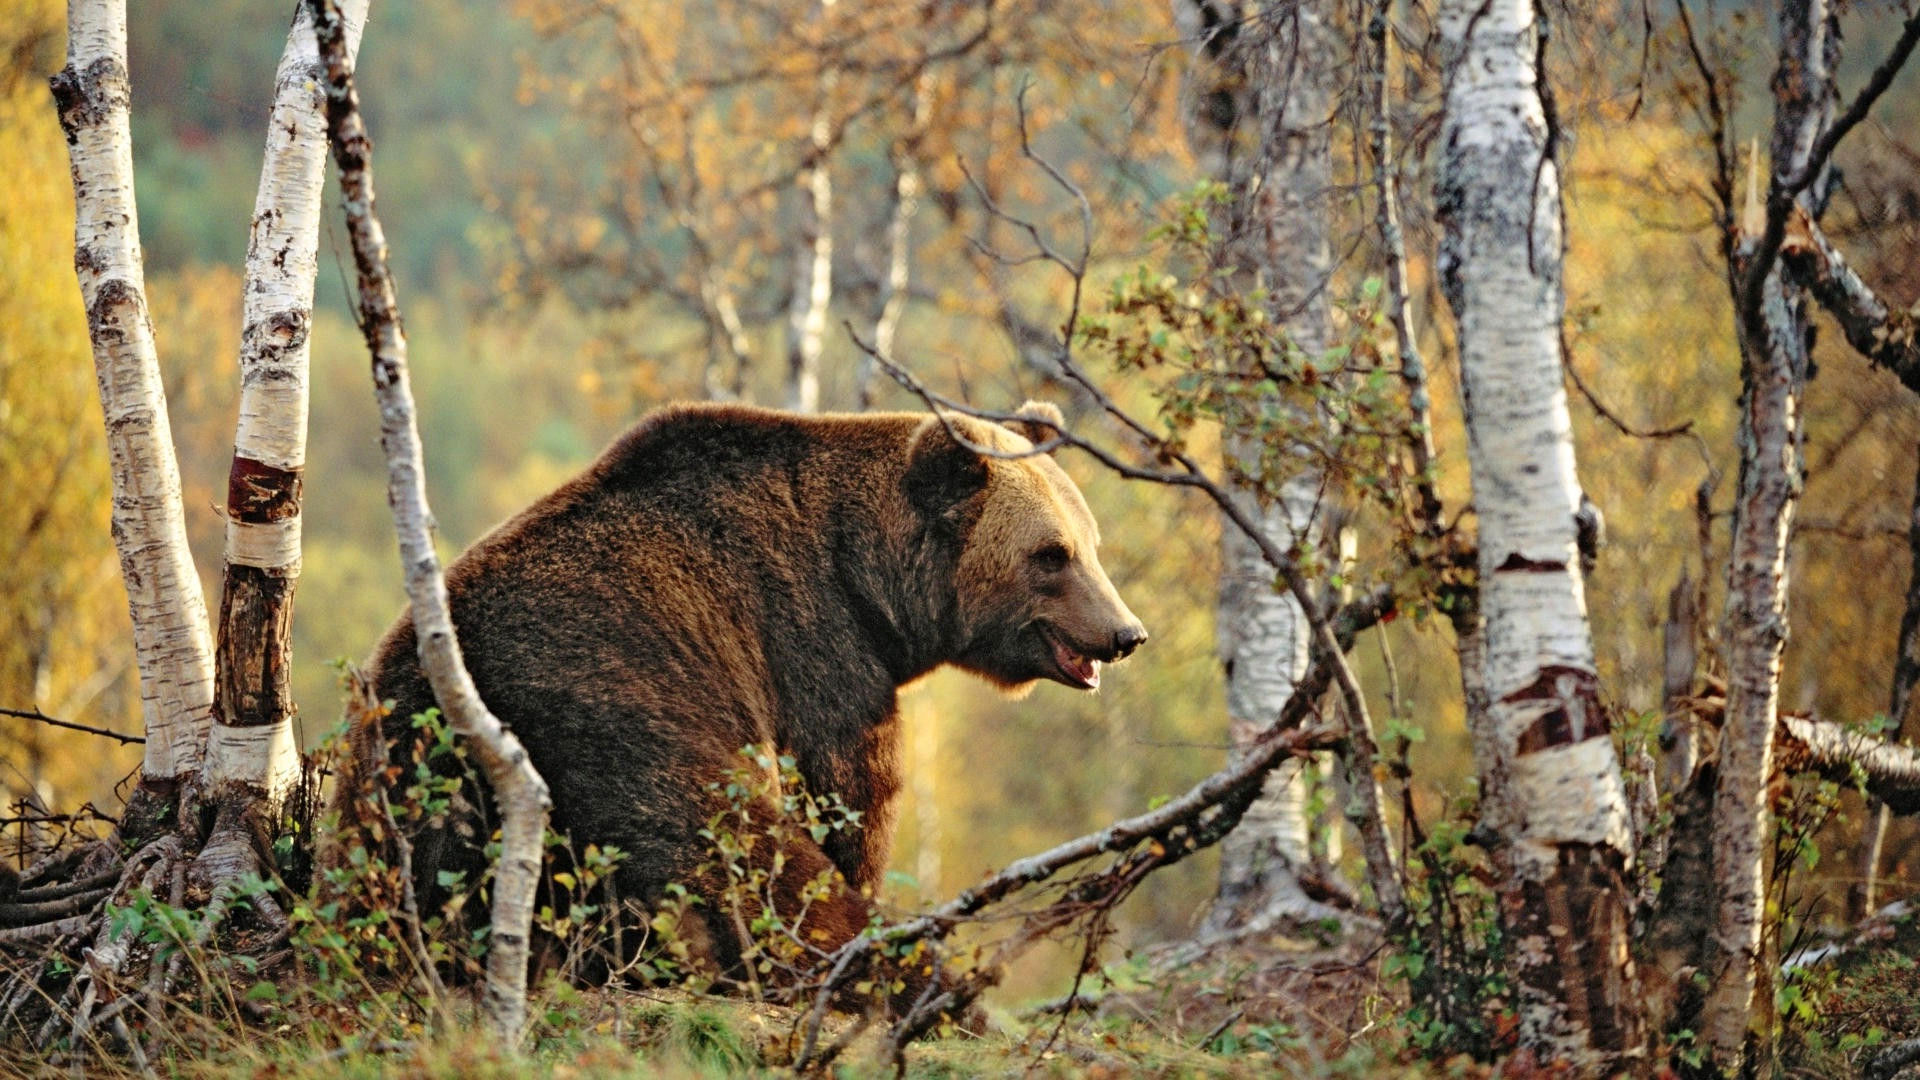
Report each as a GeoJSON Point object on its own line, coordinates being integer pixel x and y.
{"type": "Point", "coordinates": [40, 717]}
{"type": "Point", "coordinates": [1786, 186]}
{"type": "Point", "coordinates": [1889, 338]}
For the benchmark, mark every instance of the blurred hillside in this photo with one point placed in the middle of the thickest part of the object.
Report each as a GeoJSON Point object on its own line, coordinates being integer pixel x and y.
{"type": "Point", "coordinates": [537, 337]}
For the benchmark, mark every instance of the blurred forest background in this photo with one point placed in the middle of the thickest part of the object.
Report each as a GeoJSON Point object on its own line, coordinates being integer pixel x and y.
{"type": "Point", "coordinates": [577, 193]}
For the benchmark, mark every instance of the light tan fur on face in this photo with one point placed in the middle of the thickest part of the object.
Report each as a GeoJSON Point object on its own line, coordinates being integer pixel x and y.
{"type": "Point", "coordinates": [1029, 502]}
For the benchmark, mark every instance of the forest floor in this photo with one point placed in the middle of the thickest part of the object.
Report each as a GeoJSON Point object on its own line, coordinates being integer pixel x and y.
{"type": "Point", "coordinates": [1292, 1010]}
{"type": "Point", "coordinates": [1275, 1007]}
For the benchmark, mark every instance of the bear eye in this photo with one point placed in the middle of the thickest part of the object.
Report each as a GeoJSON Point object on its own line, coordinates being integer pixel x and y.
{"type": "Point", "coordinates": [1053, 558]}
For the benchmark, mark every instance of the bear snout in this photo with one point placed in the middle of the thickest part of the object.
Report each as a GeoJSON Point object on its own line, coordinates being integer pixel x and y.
{"type": "Point", "coordinates": [1128, 638]}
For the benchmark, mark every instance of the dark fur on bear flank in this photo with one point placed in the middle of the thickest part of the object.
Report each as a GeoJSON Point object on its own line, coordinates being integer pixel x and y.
{"type": "Point", "coordinates": [725, 576]}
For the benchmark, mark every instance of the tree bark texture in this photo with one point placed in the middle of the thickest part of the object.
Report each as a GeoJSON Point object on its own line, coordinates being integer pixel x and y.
{"type": "Point", "coordinates": [1888, 337]}
{"type": "Point", "coordinates": [517, 788]}
{"type": "Point", "coordinates": [1550, 772]}
{"type": "Point", "coordinates": [252, 741]}
{"type": "Point", "coordinates": [1263, 79]}
{"type": "Point", "coordinates": [172, 639]}
{"type": "Point", "coordinates": [1772, 326]}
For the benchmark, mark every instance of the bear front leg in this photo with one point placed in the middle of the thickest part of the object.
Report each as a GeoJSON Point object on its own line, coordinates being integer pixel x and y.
{"type": "Point", "coordinates": [814, 913]}
{"type": "Point", "coordinates": [776, 904]}
{"type": "Point", "coordinates": [865, 776]}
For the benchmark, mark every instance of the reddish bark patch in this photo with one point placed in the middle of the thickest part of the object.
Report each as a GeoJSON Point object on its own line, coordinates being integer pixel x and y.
{"type": "Point", "coordinates": [1576, 717]}
{"type": "Point", "coordinates": [1579, 912]}
{"type": "Point", "coordinates": [258, 493]}
{"type": "Point", "coordinates": [1520, 563]}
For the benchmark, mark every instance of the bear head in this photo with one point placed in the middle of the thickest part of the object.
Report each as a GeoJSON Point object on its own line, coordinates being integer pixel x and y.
{"type": "Point", "coordinates": [1031, 599]}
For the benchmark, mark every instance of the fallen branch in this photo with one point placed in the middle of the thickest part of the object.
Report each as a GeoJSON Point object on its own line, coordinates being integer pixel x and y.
{"type": "Point", "coordinates": [1888, 1062]}
{"type": "Point", "coordinates": [1890, 771]}
{"type": "Point", "coordinates": [1156, 839]}
{"type": "Point", "coordinates": [519, 791]}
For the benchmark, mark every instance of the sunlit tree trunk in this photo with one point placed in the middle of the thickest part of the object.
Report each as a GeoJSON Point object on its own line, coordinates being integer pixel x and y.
{"type": "Point", "coordinates": [518, 791]}
{"type": "Point", "coordinates": [1559, 801]}
{"type": "Point", "coordinates": [906, 200]}
{"type": "Point", "coordinates": [1262, 88]}
{"type": "Point", "coordinates": [252, 741]}
{"type": "Point", "coordinates": [813, 253]}
{"type": "Point", "coordinates": [172, 640]}
{"type": "Point", "coordinates": [1772, 326]}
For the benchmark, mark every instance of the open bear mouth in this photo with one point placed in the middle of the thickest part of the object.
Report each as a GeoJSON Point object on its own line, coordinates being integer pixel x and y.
{"type": "Point", "coordinates": [1075, 668]}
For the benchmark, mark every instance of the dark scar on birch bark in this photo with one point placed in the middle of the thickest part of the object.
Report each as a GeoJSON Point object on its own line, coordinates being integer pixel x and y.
{"type": "Point", "coordinates": [1577, 717]}
{"type": "Point", "coordinates": [258, 493]}
{"type": "Point", "coordinates": [1519, 562]}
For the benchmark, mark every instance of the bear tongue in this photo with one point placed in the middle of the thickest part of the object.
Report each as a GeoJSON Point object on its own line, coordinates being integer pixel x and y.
{"type": "Point", "coordinates": [1084, 670]}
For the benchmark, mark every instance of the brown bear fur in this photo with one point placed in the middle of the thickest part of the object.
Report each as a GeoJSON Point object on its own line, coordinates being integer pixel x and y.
{"type": "Point", "coordinates": [725, 576]}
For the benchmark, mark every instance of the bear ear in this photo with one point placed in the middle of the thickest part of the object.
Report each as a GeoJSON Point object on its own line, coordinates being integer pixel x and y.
{"type": "Point", "coordinates": [1039, 422]}
{"type": "Point", "coordinates": [941, 473]}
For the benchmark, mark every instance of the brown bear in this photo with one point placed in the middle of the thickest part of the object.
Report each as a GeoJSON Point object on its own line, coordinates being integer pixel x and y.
{"type": "Point", "coordinates": [725, 576]}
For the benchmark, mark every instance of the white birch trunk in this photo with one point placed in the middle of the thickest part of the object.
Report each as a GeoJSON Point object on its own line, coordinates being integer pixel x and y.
{"type": "Point", "coordinates": [1566, 838]}
{"type": "Point", "coordinates": [1738, 1018]}
{"type": "Point", "coordinates": [813, 255]}
{"type": "Point", "coordinates": [1271, 148]}
{"type": "Point", "coordinates": [518, 790]}
{"type": "Point", "coordinates": [906, 201]}
{"type": "Point", "coordinates": [172, 640]}
{"type": "Point", "coordinates": [252, 740]}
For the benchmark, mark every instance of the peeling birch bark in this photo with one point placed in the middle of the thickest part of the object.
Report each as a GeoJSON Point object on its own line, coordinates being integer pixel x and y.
{"type": "Point", "coordinates": [1565, 839]}
{"type": "Point", "coordinates": [1738, 1017]}
{"type": "Point", "coordinates": [518, 790]}
{"type": "Point", "coordinates": [252, 740]}
{"type": "Point", "coordinates": [813, 255]}
{"type": "Point", "coordinates": [172, 639]}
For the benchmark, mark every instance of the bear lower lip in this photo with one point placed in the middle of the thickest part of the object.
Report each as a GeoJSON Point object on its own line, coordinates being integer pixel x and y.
{"type": "Point", "coordinates": [1079, 670]}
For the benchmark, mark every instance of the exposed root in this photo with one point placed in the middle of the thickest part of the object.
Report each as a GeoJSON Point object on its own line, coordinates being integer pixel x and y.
{"type": "Point", "coordinates": [58, 891]}
{"type": "Point", "coordinates": [30, 935]}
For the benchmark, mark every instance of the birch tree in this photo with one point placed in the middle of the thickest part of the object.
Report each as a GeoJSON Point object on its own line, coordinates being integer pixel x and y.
{"type": "Point", "coordinates": [173, 644]}
{"type": "Point", "coordinates": [252, 740]}
{"type": "Point", "coordinates": [1551, 784]}
{"type": "Point", "coordinates": [1264, 85]}
{"type": "Point", "coordinates": [813, 249]}
{"type": "Point", "coordinates": [1772, 323]}
{"type": "Point", "coordinates": [518, 791]}
{"type": "Point", "coordinates": [1771, 319]}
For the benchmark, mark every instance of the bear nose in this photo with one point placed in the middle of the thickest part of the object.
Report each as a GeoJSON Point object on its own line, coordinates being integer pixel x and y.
{"type": "Point", "coordinates": [1127, 639]}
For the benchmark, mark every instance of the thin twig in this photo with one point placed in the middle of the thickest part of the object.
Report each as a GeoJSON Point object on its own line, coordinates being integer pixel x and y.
{"type": "Point", "coordinates": [40, 717]}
